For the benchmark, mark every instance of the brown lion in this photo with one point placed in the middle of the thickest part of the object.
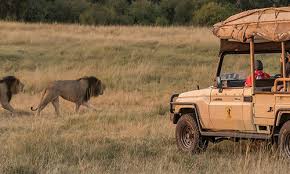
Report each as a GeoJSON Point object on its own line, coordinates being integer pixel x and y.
{"type": "Point", "coordinates": [9, 86]}
{"type": "Point", "coordinates": [78, 91]}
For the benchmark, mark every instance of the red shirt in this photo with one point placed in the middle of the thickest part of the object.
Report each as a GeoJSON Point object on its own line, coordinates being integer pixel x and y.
{"type": "Point", "coordinates": [259, 74]}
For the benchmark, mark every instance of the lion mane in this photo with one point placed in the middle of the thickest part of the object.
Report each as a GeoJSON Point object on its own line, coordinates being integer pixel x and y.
{"type": "Point", "coordinates": [10, 85]}
{"type": "Point", "coordinates": [10, 81]}
{"type": "Point", "coordinates": [93, 87]}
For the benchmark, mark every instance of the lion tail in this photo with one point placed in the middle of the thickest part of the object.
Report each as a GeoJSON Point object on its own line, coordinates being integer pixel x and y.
{"type": "Point", "coordinates": [33, 108]}
{"type": "Point", "coordinates": [42, 96]}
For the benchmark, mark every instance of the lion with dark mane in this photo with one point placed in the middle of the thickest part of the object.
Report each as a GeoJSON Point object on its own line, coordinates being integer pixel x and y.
{"type": "Point", "coordinates": [9, 86]}
{"type": "Point", "coordinates": [77, 91]}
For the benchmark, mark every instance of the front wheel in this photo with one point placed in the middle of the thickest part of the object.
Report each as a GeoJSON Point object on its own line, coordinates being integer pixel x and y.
{"type": "Point", "coordinates": [284, 140]}
{"type": "Point", "coordinates": [188, 137]}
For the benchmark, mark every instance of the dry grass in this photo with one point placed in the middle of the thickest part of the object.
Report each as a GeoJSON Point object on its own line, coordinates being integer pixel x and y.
{"type": "Point", "coordinates": [131, 131]}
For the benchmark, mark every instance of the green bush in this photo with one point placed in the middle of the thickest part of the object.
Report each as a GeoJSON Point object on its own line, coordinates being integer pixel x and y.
{"type": "Point", "coordinates": [213, 12]}
{"type": "Point", "coordinates": [34, 10]}
{"type": "Point", "coordinates": [118, 12]}
{"type": "Point", "coordinates": [183, 12]}
{"type": "Point", "coordinates": [162, 21]}
{"type": "Point", "coordinates": [66, 11]}
{"type": "Point", "coordinates": [167, 9]}
{"type": "Point", "coordinates": [143, 12]}
{"type": "Point", "coordinates": [94, 16]}
{"type": "Point", "coordinates": [88, 17]}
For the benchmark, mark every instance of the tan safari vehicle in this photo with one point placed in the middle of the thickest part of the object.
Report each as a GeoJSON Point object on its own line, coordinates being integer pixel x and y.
{"type": "Point", "coordinates": [229, 110]}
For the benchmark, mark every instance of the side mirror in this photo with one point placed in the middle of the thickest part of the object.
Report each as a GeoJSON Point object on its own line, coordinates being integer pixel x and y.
{"type": "Point", "coordinates": [219, 84]}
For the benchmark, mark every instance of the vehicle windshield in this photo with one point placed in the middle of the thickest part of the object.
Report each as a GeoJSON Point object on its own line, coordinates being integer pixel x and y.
{"type": "Point", "coordinates": [237, 67]}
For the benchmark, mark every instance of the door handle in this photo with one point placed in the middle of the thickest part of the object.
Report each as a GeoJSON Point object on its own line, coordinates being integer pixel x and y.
{"type": "Point", "coordinates": [270, 109]}
{"type": "Point", "coordinates": [237, 99]}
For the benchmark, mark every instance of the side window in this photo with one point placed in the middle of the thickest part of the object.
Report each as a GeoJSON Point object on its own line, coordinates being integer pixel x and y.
{"type": "Point", "coordinates": [271, 68]}
{"type": "Point", "coordinates": [271, 63]}
{"type": "Point", "coordinates": [236, 70]}
{"type": "Point", "coordinates": [235, 67]}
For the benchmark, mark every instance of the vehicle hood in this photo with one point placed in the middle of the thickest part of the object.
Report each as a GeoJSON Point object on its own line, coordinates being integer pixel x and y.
{"type": "Point", "coordinates": [193, 94]}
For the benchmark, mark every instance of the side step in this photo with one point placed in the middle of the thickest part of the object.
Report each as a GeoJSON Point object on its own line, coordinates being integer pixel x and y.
{"type": "Point", "coordinates": [237, 135]}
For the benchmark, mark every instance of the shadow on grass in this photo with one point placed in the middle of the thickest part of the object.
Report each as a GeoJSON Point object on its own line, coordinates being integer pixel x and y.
{"type": "Point", "coordinates": [24, 113]}
{"type": "Point", "coordinates": [19, 113]}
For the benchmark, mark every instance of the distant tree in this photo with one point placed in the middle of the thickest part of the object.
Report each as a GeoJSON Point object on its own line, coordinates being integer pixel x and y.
{"type": "Point", "coordinates": [66, 11]}
{"type": "Point", "coordinates": [34, 11]}
{"type": "Point", "coordinates": [162, 21]}
{"type": "Point", "coordinates": [244, 4]}
{"type": "Point", "coordinates": [95, 15]}
{"type": "Point", "coordinates": [143, 12]}
{"type": "Point", "coordinates": [213, 12]}
{"type": "Point", "coordinates": [167, 8]}
{"type": "Point", "coordinates": [199, 3]}
{"type": "Point", "coordinates": [283, 2]}
{"type": "Point", "coordinates": [76, 8]}
{"type": "Point", "coordinates": [118, 12]}
{"type": "Point", "coordinates": [251, 4]}
{"type": "Point", "coordinates": [183, 12]}
{"type": "Point", "coordinates": [155, 1]}
{"type": "Point", "coordinates": [12, 9]}
{"type": "Point", "coordinates": [262, 3]}
{"type": "Point", "coordinates": [97, 1]}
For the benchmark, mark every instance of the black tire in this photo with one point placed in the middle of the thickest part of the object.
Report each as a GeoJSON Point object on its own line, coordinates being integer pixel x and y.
{"type": "Point", "coordinates": [284, 140]}
{"type": "Point", "coordinates": [187, 135]}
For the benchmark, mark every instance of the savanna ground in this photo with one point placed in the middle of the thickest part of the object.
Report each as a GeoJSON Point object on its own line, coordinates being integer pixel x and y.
{"type": "Point", "coordinates": [131, 131]}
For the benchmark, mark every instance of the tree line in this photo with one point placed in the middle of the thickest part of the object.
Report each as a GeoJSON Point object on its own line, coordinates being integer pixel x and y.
{"type": "Point", "coordinates": [129, 12]}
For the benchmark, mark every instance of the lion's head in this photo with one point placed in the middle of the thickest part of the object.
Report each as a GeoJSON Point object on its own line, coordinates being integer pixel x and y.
{"type": "Point", "coordinates": [95, 87]}
{"type": "Point", "coordinates": [14, 85]}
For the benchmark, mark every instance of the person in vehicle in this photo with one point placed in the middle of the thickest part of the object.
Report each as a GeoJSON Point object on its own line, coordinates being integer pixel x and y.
{"type": "Point", "coordinates": [259, 73]}
{"type": "Point", "coordinates": [280, 88]}
{"type": "Point", "coordinates": [286, 59]}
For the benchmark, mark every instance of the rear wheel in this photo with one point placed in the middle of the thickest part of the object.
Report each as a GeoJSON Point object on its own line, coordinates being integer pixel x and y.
{"type": "Point", "coordinates": [188, 137]}
{"type": "Point", "coordinates": [284, 140]}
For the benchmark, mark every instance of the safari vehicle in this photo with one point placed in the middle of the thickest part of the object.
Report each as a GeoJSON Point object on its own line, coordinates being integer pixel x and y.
{"type": "Point", "coordinates": [229, 110]}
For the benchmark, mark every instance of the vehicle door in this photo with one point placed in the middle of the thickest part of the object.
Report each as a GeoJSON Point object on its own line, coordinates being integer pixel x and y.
{"type": "Point", "coordinates": [226, 104]}
{"type": "Point", "coordinates": [226, 109]}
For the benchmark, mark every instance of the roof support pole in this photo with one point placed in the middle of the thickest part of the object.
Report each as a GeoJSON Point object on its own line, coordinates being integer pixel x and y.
{"type": "Point", "coordinates": [283, 58]}
{"type": "Point", "coordinates": [283, 55]}
{"type": "Point", "coordinates": [252, 53]}
{"type": "Point", "coordinates": [221, 59]}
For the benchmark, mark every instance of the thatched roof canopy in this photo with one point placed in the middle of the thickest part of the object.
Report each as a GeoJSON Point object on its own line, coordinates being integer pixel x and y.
{"type": "Point", "coordinates": [265, 25]}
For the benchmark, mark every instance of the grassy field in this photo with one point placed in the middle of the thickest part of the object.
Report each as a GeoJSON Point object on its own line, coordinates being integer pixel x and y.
{"type": "Point", "coordinates": [131, 131]}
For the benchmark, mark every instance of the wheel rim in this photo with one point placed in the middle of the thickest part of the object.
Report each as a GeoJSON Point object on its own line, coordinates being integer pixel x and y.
{"type": "Point", "coordinates": [187, 137]}
{"type": "Point", "coordinates": [287, 145]}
